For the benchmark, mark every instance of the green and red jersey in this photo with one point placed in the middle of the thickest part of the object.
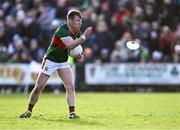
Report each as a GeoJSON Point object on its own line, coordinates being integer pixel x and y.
{"type": "Point", "coordinates": [56, 51]}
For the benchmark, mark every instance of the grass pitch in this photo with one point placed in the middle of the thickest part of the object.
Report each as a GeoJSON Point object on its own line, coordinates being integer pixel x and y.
{"type": "Point", "coordinates": [98, 111]}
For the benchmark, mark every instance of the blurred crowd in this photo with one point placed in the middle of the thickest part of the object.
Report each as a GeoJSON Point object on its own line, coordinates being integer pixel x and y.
{"type": "Point", "coordinates": [26, 28]}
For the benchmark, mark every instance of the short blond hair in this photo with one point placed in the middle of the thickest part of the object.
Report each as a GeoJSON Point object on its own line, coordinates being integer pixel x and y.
{"type": "Point", "coordinates": [72, 13]}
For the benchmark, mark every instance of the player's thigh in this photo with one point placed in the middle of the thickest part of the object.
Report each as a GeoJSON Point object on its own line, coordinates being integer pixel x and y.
{"type": "Point", "coordinates": [66, 76]}
{"type": "Point", "coordinates": [41, 80]}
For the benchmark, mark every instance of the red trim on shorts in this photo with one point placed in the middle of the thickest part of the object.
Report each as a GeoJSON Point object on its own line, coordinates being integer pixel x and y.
{"type": "Point", "coordinates": [43, 63]}
{"type": "Point", "coordinates": [57, 41]}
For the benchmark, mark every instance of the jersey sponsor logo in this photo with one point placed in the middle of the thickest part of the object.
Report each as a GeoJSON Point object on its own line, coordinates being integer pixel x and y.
{"type": "Point", "coordinates": [46, 68]}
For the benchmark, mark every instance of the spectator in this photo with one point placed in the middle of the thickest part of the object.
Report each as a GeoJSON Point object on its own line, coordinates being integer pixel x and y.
{"type": "Point", "coordinates": [88, 55]}
{"type": "Point", "coordinates": [153, 43]}
{"type": "Point", "coordinates": [167, 40]}
{"type": "Point", "coordinates": [103, 40]}
{"type": "Point", "coordinates": [34, 50]}
{"type": "Point", "coordinates": [156, 56]}
{"type": "Point", "coordinates": [154, 22]}
{"type": "Point", "coordinates": [176, 55]}
{"type": "Point", "coordinates": [120, 50]}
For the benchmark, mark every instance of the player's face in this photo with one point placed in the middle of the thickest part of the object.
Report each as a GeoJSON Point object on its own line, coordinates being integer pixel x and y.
{"type": "Point", "coordinates": [76, 23]}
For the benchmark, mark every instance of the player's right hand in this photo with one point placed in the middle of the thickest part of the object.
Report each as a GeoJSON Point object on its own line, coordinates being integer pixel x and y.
{"type": "Point", "coordinates": [79, 57]}
{"type": "Point", "coordinates": [88, 32]}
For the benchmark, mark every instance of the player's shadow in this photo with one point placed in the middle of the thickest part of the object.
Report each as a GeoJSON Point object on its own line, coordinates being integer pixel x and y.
{"type": "Point", "coordinates": [80, 121]}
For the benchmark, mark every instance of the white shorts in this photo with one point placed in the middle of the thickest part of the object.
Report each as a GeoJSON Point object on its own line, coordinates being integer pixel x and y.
{"type": "Point", "coordinates": [49, 67]}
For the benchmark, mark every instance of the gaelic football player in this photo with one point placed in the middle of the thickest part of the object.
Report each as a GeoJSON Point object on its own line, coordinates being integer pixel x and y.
{"type": "Point", "coordinates": [66, 37]}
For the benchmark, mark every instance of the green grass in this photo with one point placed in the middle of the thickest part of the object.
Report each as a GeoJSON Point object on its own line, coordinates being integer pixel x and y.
{"type": "Point", "coordinates": [98, 111]}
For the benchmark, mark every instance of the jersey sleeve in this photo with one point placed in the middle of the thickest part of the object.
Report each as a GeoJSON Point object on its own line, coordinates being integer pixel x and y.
{"type": "Point", "coordinates": [62, 37]}
{"type": "Point", "coordinates": [60, 32]}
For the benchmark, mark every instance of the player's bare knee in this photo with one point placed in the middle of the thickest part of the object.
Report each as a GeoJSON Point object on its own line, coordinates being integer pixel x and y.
{"type": "Point", "coordinates": [70, 88]}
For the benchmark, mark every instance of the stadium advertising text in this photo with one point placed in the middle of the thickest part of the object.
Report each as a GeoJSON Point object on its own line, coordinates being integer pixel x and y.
{"type": "Point", "coordinates": [136, 73]}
